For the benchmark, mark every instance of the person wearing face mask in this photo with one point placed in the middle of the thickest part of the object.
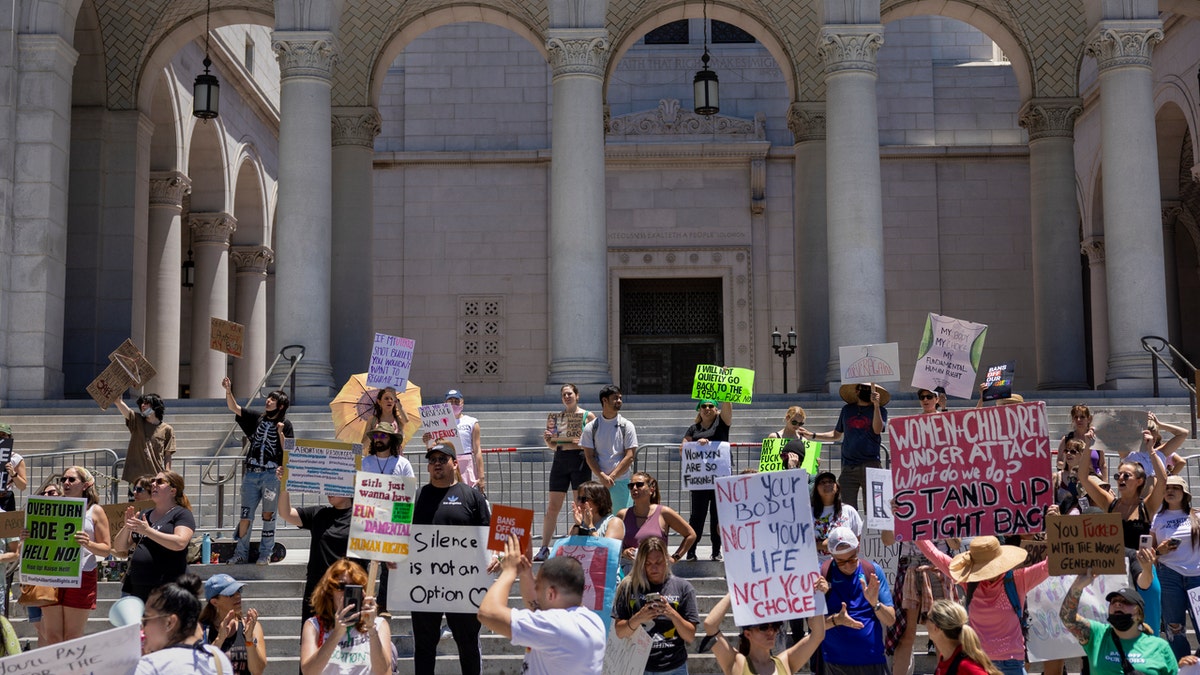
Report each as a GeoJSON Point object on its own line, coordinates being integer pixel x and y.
{"type": "Point", "coordinates": [1124, 644]}
{"type": "Point", "coordinates": [470, 462]}
{"type": "Point", "coordinates": [151, 441]}
{"type": "Point", "coordinates": [860, 429]}
{"type": "Point", "coordinates": [264, 432]}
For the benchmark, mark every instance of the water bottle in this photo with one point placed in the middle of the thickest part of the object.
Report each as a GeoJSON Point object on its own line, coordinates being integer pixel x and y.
{"type": "Point", "coordinates": [206, 550]}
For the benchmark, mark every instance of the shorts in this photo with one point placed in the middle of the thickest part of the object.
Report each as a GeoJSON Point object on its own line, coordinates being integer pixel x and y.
{"type": "Point", "coordinates": [569, 469]}
{"type": "Point", "coordinates": [83, 597]}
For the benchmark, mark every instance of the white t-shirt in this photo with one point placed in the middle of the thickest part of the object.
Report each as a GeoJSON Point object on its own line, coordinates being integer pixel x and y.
{"type": "Point", "coordinates": [826, 521]}
{"type": "Point", "coordinates": [1143, 458]}
{"type": "Point", "coordinates": [602, 436]}
{"type": "Point", "coordinates": [175, 660]}
{"type": "Point", "coordinates": [466, 460]}
{"type": "Point", "coordinates": [400, 465]}
{"type": "Point", "coordinates": [353, 653]}
{"type": "Point", "coordinates": [560, 641]}
{"type": "Point", "coordinates": [1175, 524]}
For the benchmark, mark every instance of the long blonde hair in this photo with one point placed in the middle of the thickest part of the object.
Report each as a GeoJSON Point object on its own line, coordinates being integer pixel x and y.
{"type": "Point", "coordinates": [951, 618]}
{"type": "Point", "coordinates": [637, 580]}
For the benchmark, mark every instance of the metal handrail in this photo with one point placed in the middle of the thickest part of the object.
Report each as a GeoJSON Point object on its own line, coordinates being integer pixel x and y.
{"type": "Point", "coordinates": [206, 478]}
{"type": "Point", "coordinates": [1156, 357]}
{"type": "Point", "coordinates": [106, 475]}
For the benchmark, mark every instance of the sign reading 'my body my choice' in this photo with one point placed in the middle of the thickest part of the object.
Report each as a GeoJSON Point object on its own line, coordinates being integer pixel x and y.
{"type": "Point", "coordinates": [971, 472]}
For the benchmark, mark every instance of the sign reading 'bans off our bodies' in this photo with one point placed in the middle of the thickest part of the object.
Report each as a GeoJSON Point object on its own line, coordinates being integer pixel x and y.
{"type": "Point", "coordinates": [971, 472]}
{"type": "Point", "coordinates": [770, 546]}
{"type": "Point", "coordinates": [718, 383]}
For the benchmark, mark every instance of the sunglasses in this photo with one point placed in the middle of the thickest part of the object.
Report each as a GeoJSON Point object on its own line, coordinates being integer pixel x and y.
{"type": "Point", "coordinates": [583, 500]}
{"type": "Point", "coordinates": [148, 619]}
{"type": "Point", "coordinates": [380, 437]}
{"type": "Point", "coordinates": [639, 485]}
{"type": "Point", "coordinates": [772, 627]}
{"type": "Point", "coordinates": [138, 488]}
{"type": "Point", "coordinates": [1071, 452]}
{"type": "Point", "coordinates": [928, 397]}
{"type": "Point", "coordinates": [797, 423]}
{"type": "Point", "coordinates": [160, 481]}
{"type": "Point", "coordinates": [68, 479]}
{"type": "Point", "coordinates": [1123, 474]}
{"type": "Point", "coordinates": [438, 459]}
{"type": "Point", "coordinates": [708, 406]}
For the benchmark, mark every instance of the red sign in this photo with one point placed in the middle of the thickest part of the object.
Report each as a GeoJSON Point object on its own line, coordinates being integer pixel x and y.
{"type": "Point", "coordinates": [509, 520]}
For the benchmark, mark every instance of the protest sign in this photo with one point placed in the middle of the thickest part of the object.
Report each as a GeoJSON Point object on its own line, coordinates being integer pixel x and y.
{"type": "Point", "coordinates": [226, 336]}
{"type": "Point", "coordinates": [971, 472]}
{"type": "Point", "coordinates": [703, 464]}
{"type": "Point", "coordinates": [627, 655]}
{"type": "Point", "coordinates": [1091, 541]}
{"type": "Point", "coordinates": [565, 427]}
{"type": "Point", "coordinates": [1118, 431]}
{"type": "Point", "coordinates": [391, 359]}
{"type": "Point", "coordinates": [508, 520]}
{"type": "Point", "coordinates": [870, 363]}
{"type": "Point", "coordinates": [949, 355]}
{"type": "Point", "coordinates": [768, 458]}
{"type": "Point", "coordinates": [879, 499]}
{"type": "Point", "coordinates": [1047, 638]}
{"type": "Point", "coordinates": [6, 453]}
{"type": "Point", "coordinates": [382, 514]}
{"type": "Point", "coordinates": [999, 381]}
{"type": "Point", "coordinates": [871, 547]}
{"type": "Point", "coordinates": [770, 546]}
{"type": "Point", "coordinates": [112, 652]}
{"type": "Point", "coordinates": [321, 467]}
{"type": "Point", "coordinates": [600, 559]}
{"type": "Point", "coordinates": [438, 421]}
{"type": "Point", "coordinates": [116, 513]}
{"type": "Point", "coordinates": [446, 570]}
{"type": "Point", "coordinates": [717, 383]}
{"type": "Point", "coordinates": [134, 362]}
{"type": "Point", "coordinates": [50, 554]}
{"type": "Point", "coordinates": [11, 524]}
{"type": "Point", "coordinates": [1194, 600]}
{"type": "Point", "coordinates": [109, 385]}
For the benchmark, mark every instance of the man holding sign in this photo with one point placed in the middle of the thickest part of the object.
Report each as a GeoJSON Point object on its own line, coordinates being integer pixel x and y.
{"type": "Point", "coordinates": [861, 422]}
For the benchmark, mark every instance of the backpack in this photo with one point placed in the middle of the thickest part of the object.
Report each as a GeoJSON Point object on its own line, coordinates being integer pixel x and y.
{"type": "Point", "coordinates": [868, 568]}
{"type": "Point", "coordinates": [1010, 589]}
{"type": "Point", "coordinates": [621, 424]}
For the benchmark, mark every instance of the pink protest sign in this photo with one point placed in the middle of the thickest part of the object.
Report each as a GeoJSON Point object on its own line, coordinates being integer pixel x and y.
{"type": "Point", "coordinates": [971, 472]}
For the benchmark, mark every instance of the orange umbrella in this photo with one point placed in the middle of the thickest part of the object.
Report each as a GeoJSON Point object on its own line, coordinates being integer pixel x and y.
{"type": "Point", "coordinates": [355, 403]}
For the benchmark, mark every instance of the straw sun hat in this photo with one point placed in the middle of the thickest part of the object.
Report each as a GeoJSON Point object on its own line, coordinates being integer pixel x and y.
{"type": "Point", "coordinates": [985, 559]}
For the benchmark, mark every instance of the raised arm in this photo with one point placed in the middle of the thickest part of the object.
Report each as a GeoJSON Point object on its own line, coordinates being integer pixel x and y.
{"type": "Point", "coordinates": [727, 413]}
{"type": "Point", "coordinates": [1158, 491]}
{"type": "Point", "coordinates": [285, 509]}
{"type": "Point", "coordinates": [1069, 614]}
{"type": "Point", "coordinates": [724, 654]}
{"type": "Point", "coordinates": [230, 401]}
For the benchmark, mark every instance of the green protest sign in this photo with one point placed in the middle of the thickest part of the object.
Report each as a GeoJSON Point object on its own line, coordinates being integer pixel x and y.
{"type": "Point", "coordinates": [812, 455]}
{"type": "Point", "coordinates": [718, 383]}
{"type": "Point", "coordinates": [769, 459]}
{"type": "Point", "coordinates": [50, 555]}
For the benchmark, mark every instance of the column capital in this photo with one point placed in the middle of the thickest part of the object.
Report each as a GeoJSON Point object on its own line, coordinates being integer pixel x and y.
{"type": "Point", "coordinates": [212, 228]}
{"type": "Point", "coordinates": [1050, 117]}
{"type": "Point", "coordinates": [806, 121]}
{"type": "Point", "coordinates": [356, 126]}
{"type": "Point", "coordinates": [581, 51]}
{"type": "Point", "coordinates": [850, 47]}
{"type": "Point", "coordinates": [1093, 248]}
{"type": "Point", "coordinates": [1116, 44]}
{"type": "Point", "coordinates": [305, 53]}
{"type": "Point", "coordinates": [1171, 210]}
{"type": "Point", "coordinates": [168, 188]}
{"type": "Point", "coordinates": [252, 260]}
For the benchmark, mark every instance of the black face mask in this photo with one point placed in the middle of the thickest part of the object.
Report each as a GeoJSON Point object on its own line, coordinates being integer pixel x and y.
{"type": "Point", "coordinates": [864, 395]}
{"type": "Point", "coordinates": [1121, 622]}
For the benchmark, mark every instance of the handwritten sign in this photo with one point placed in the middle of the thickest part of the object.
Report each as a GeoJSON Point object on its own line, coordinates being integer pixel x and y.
{"type": "Point", "coordinates": [116, 513]}
{"type": "Point", "coordinates": [438, 421]}
{"type": "Point", "coordinates": [718, 383]}
{"type": "Point", "coordinates": [50, 554]}
{"type": "Point", "coordinates": [1048, 638]}
{"type": "Point", "coordinates": [768, 458]}
{"type": "Point", "coordinates": [999, 381]}
{"type": "Point", "coordinates": [627, 655]}
{"type": "Point", "coordinates": [703, 464]}
{"type": "Point", "coordinates": [446, 570]}
{"type": "Point", "coordinates": [971, 472]}
{"type": "Point", "coordinates": [134, 362]}
{"type": "Point", "coordinates": [109, 385]}
{"type": "Point", "coordinates": [391, 359]}
{"type": "Point", "coordinates": [112, 652]}
{"type": "Point", "coordinates": [321, 467]}
{"type": "Point", "coordinates": [870, 363]}
{"type": "Point", "coordinates": [949, 355]}
{"type": "Point", "coordinates": [11, 524]}
{"type": "Point", "coordinates": [381, 517]}
{"type": "Point", "coordinates": [770, 547]}
{"type": "Point", "coordinates": [879, 499]}
{"type": "Point", "coordinates": [226, 336]}
{"type": "Point", "coordinates": [599, 557]}
{"type": "Point", "coordinates": [508, 520]}
{"type": "Point", "coordinates": [565, 427]}
{"type": "Point", "coordinates": [1079, 543]}
{"type": "Point", "coordinates": [1194, 600]}
{"type": "Point", "coordinates": [871, 547]}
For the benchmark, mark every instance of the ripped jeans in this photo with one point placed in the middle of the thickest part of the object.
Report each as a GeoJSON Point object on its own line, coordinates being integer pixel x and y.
{"type": "Point", "coordinates": [258, 486]}
{"type": "Point", "coordinates": [1175, 607]}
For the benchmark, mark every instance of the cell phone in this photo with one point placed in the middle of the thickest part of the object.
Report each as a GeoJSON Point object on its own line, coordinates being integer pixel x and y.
{"type": "Point", "coordinates": [353, 597]}
{"type": "Point", "coordinates": [1146, 541]}
{"type": "Point", "coordinates": [1173, 543]}
{"type": "Point", "coordinates": [653, 597]}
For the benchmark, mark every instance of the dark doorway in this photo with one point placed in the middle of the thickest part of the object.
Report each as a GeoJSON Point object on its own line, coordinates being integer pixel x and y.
{"type": "Point", "coordinates": [668, 326]}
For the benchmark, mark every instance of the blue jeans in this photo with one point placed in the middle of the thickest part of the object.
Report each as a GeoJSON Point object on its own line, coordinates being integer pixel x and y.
{"type": "Point", "coordinates": [258, 486]}
{"type": "Point", "coordinates": [1175, 608]}
{"type": "Point", "coordinates": [681, 670]}
{"type": "Point", "coordinates": [1010, 666]}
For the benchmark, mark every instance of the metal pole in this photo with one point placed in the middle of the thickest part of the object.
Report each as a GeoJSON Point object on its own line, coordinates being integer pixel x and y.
{"type": "Point", "coordinates": [785, 358]}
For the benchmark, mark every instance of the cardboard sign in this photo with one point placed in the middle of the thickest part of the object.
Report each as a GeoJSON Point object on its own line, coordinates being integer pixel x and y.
{"type": "Point", "coordinates": [446, 570]}
{"type": "Point", "coordinates": [999, 381]}
{"type": "Point", "coordinates": [871, 547]}
{"type": "Point", "coordinates": [703, 464]}
{"type": "Point", "coordinates": [321, 467]}
{"type": "Point", "coordinates": [110, 385]}
{"type": "Point", "coordinates": [770, 546]}
{"type": "Point", "coordinates": [599, 557]}
{"type": "Point", "coordinates": [1048, 638]}
{"type": "Point", "coordinates": [718, 383]}
{"type": "Point", "coordinates": [565, 427]}
{"type": "Point", "coordinates": [1194, 600]}
{"type": "Point", "coordinates": [438, 421]}
{"type": "Point", "coordinates": [11, 524]}
{"type": "Point", "coordinates": [112, 652]}
{"type": "Point", "coordinates": [949, 355]}
{"type": "Point", "coordinates": [1079, 543]}
{"type": "Point", "coordinates": [391, 359]}
{"type": "Point", "coordinates": [382, 516]}
{"type": "Point", "coordinates": [1118, 431]}
{"type": "Point", "coordinates": [971, 472]}
{"type": "Point", "coordinates": [226, 336]}
{"type": "Point", "coordinates": [508, 520]}
{"type": "Point", "coordinates": [879, 496]}
{"type": "Point", "coordinates": [134, 362]}
{"type": "Point", "coordinates": [627, 655]}
{"type": "Point", "coordinates": [50, 554]}
{"type": "Point", "coordinates": [116, 513]}
{"type": "Point", "coordinates": [870, 363]}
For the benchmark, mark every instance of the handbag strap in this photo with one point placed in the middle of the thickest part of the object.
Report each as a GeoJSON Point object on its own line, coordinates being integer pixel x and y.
{"type": "Point", "coordinates": [1126, 666]}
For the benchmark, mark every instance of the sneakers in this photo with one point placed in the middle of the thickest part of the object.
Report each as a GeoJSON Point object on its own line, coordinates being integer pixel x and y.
{"type": "Point", "coordinates": [691, 556]}
{"type": "Point", "coordinates": [717, 557]}
{"type": "Point", "coordinates": [542, 555]}
{"type": "Point", "coordinates": [236, 560]}
{"type": "Point", "coordinates": [263, 562]}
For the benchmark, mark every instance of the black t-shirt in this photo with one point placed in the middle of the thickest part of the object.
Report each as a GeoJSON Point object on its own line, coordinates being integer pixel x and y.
{"type": "Point", "coordinates": [717, 433]}
{"type": "Point", "coordinates": [150, 563]}
{"type": "Point", "coordinates": [667, 650]}
{"type": "Point", "coordinates": [459, 504]}
{"type": "Point", "coordinates": [330, 529]}
{"type": "Point", "coordinates": [265, 449]}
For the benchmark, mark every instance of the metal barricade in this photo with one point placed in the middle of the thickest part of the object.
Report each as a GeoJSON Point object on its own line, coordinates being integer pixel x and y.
{"type": "Point", "coordinates": [103, 463]}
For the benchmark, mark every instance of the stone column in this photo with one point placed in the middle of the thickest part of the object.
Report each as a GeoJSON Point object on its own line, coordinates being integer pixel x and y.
{"type": "Point", "coordinates": [250, 309]}
{"type": "Point", "coordinates": [1132, 217]}
{"type": "Point", "coordinates": [857, 313]}
{"type": "Point", "coordinates": [806, 121]}
{"type": "Point", "coordinates": [164, 256]}
{"type": "Point", "coordinates": [210, 297]}
{"type": "Point", "coordinates": [578, 239]}
{"type": "Point", "coordinates": [1093, 248]}
{"type": "Point", "coordinates": [1171, 210]}
{"type": "Point", "coordinates": [354, 132]}
{"type": "Point", "coordinates": [1054, 221]}
{"type": "Point", "coordinates": [304, 235]}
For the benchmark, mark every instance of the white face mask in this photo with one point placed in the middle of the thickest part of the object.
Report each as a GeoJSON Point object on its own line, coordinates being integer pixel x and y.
{"type": "Point", "coordinates": [147, 412]}
{"type": "Point", "coordinates": [456, 408]}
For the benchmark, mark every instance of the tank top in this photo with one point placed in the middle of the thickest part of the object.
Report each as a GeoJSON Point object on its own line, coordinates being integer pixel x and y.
{"type": "Point", "coordinates": [651, 528]}
{"type": "Point", "coordinates": [234, 647]}
{"type": "Point", "coordinates": [1132, 530]}
{"type": "Point", "coordinates": [87, 558]}
{"type": "Point", "coordinates": [780, 668]}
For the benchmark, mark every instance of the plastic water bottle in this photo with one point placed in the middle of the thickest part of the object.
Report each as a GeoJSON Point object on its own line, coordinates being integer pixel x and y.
{"type": "Point", "coordinates": [206, 550]}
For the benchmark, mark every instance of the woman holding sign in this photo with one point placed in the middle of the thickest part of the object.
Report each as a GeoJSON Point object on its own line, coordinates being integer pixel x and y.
{"type": "Point", "coordinates": [709, 427]}
{"type": "Point", "coordinates": [570, 468]}
{"type": "Point", "coordinates": [66, 619]}
{"type": "Point", "coordinates": [753, 655]}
